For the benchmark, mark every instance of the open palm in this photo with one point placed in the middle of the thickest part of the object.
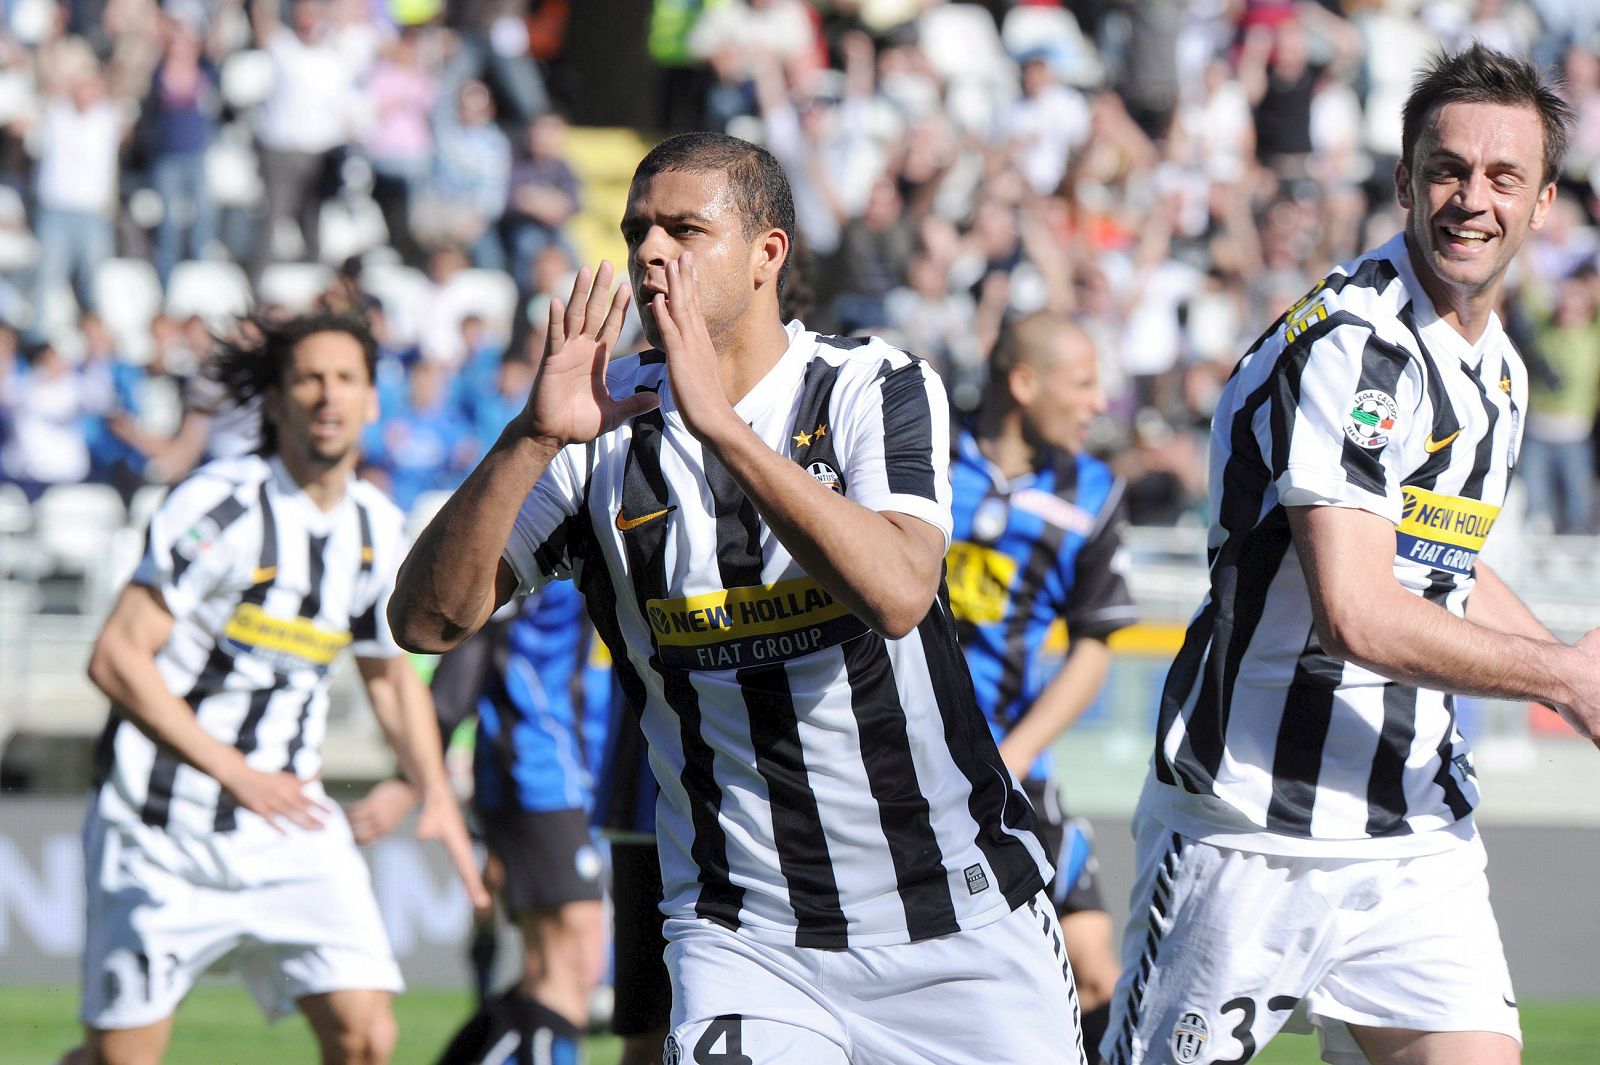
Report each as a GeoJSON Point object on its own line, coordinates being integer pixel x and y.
{"type": "Point", "coordinates": [569, 402]}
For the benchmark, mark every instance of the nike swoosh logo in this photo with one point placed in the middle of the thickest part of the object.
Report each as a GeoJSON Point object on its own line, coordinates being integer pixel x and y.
{"type": "Point", "coordinates": [624, 524]}
{"type": "Point", "coordinates": [1431, 445]}
{"type": "Point", "coordinates": [1508, 1001]}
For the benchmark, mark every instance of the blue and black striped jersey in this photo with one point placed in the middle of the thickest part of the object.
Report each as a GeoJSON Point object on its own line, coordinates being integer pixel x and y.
{"type": "Point", "coordinates": [1025, 554]}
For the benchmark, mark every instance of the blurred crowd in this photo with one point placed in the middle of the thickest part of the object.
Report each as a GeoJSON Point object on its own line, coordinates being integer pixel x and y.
{"type": "Point", "coordinates": [1170, 173]}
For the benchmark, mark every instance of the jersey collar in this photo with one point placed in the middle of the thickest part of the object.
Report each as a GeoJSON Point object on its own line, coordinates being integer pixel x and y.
{"type": "Point", "coordinates": [1435, 331]}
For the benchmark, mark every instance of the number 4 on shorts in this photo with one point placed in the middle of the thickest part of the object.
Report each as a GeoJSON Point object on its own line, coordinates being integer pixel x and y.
{"type": "Point", "coordinates": [726, 1030]}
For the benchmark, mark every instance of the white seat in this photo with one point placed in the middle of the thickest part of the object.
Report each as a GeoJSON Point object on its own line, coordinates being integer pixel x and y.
{"type": "Point", "coordinates": [129, 296]}
{"type": "Point", "coordinates": [214, 291]}
{"type": "Point", "coordinates": [350, 225]}
{"type": "Point", "coordinates": [75, 525]}
{"type": "Point", "coordinates": [233, 174]}
{"type": "Point", "coordinates": [294, 286]}
{"type": "Point", "coordinates": [246, 78]}
{"type": "Point", "coordinates": [144, 503]}
{"type": "Point", "coordinates": [490, 294]}
{"type": "Point", "coordinates": [960, 40]}
{"type": "Point", "coordinates": [1055, 32]}
{"type": "Point", "coordinates": [422, 511]}
{"type": "Point", "coordinates": [404, 292]}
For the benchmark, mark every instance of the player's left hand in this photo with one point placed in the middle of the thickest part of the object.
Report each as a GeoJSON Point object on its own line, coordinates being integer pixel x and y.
{"type": "Point", "coordinates": [381, 809]}
{"type": "Point", "coordinates": [441, 820]}
{"type": "Point", "coordinates": [692, 366]}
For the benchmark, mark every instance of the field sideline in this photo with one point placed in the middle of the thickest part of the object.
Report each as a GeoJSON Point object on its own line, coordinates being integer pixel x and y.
{"type": "Point", "coordinates": [219, 1025]}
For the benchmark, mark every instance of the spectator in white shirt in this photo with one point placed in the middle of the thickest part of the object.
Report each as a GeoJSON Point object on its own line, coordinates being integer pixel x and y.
{"type": "Point", "coordinates": [80, 133]}
{"type": "Point", "coordinates": [305, 120]}
{"type": "Point", "coordinates": [1043, 125]}
{"type": "Point", "coordinates": [46, 446]}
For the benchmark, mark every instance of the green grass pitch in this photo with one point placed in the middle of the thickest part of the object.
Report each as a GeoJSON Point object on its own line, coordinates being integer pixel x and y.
{"type": "Point", "coordinates": [219, 1025]}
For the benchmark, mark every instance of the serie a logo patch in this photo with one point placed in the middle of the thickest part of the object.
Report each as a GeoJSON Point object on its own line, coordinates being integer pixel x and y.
{"type": "Point", "coordinates": [1189, 1037]}
{"type": "Point", "coordinates": [1371, 419]}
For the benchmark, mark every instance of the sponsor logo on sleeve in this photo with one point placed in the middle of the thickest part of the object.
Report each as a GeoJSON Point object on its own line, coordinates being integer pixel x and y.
{"type": "Point", "coordinates": [1371, 419]}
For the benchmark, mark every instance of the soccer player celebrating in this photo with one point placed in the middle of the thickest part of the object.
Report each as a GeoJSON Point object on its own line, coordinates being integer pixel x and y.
{"type": "Point", "coordinates": [758, 518]}
{"type": "Point", "coordinates": [209, 833]}
{"type": "Point", "coordinates": [1306, 838]}
{"type": "Point", "coordinates": [1037, 539]}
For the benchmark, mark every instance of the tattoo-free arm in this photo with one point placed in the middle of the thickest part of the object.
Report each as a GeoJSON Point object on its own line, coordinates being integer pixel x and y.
{"type": "Point", "coordinates": [1061, 703]}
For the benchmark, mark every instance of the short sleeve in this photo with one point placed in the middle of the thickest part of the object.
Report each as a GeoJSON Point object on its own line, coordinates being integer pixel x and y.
{"type": "Point", "coordinates": [548, 527]}
{"type": "Point", "coordinates": [1099, 602]}
{"type": "Point", "coordinates": [1337, 419]}
{"type": "Point", "coordinates": [897, 457]}
{"type": "Point", "coordinates": [185, 557]}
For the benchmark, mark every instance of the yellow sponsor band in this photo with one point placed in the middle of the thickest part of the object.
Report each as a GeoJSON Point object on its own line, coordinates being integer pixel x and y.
{"type": "Point", "coordinates": [1445, 519]}
{"type": "Point", "coordinates": [735, 613]}
{"type": "Point", "coordinates": [980, 580]}
{"type": "Point", "coordinates": [301, 637]}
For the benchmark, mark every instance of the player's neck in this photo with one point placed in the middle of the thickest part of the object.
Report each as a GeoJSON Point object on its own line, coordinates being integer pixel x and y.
{"type": "Point", "coordinates": [748, 353]}
{"type": "Point", "coordinates": [1466, 311]}
{"type": "Point", "coordinates": [324, 483]}
{"type": "Point", "coordinates": [1004, 444]}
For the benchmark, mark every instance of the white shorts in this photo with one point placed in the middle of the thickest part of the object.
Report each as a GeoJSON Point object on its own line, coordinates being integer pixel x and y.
{"type": "Point", "coordinates": [1000, 993]}
{"type": "Point", "coordinates": [151, 932]}
{"type": "Point", "coordinates": [1223, 947]}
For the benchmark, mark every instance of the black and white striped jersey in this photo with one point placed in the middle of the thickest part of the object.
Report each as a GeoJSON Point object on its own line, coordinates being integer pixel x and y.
{"type": "Point", "coordinates": [1359, 396]}
{"type": "Point", "coordinates": [820, 786]}
{"type": "Point", "coordinates": [265, 590]}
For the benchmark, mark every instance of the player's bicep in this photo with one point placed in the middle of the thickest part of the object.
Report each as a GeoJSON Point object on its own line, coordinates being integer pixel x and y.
{"type": "Point", "coordinates": [1347, 556]}
{"type": "Point", "coordinates": [139, 621]}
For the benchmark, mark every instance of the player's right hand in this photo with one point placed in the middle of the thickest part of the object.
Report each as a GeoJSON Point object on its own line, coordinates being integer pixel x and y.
{"type": "Point", "coordinates": [276, 797]}
{"type": "Point", "coordinates": [570, 402]}
{"type": "Point", "coordinates": [1584, 712]}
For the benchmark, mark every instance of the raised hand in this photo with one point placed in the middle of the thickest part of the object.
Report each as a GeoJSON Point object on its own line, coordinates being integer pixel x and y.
{"type": "Point", "coordinates": [569, 402]}
{"type": "Point", "coordinates": [691, 358]}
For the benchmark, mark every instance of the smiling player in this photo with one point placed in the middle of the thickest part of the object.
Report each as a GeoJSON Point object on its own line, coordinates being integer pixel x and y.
{"type": "Point", "coordinates": [1306, 838]}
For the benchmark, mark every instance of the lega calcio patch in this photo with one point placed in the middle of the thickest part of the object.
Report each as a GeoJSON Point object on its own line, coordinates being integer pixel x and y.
{"type": "Point", "coordinates": [1372, 418]}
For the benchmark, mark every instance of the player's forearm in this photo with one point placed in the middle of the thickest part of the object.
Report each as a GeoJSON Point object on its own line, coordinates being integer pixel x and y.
{"type": "Point", "coordinates": [1408, 639]}
{"type": "Point", "coordinates": [404, 710]}
{"type": "Point", "coordinates": [883, 573]}
{"type": "Point", "coordinates": [133, 683]}
{"type": "Point", "coordinates": [445, 589]}
{"type": "Point", "coordinates": [1495, 606]}
{"type": "Point", "coordinates": [1061, 703]}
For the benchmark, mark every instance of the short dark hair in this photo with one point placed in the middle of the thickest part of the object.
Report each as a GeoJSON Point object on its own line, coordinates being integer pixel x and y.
{"type": "Point", "coordinates": [260, 356]}
{"type": "Point", "coordinates": [1480, 75]}
{"type": "Point", "coordinates": [760, 187]}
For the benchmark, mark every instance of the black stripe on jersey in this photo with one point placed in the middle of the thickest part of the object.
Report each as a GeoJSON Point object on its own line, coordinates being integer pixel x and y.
{"type": "Point", "coordinates": [316, 566]}
{"type": "Point", "coordinates": [1381, 366]}
{"type": "Point", "coordinates": [1445, 421]}
{"type": "Point", "coordinates": [992, 801]}
{"type": "Point", "coordinates": [1386, 796]}
{"type": "Point", "coordinates": [907, 429]}
{"type": "Point", "coordinates": [1453, 798]}
{"type": "Point", "coordinates": [816, 398]}
{"type": "Point", "coordinates": [843, 343]}
{"type": "Point", "coordinates": [644, 491]}
{"type": "Point", "coordinates": [364, 521]}
{"type": "Point", "coordinates": [1483, 458]}
{"type": "Point", "coordinates": [226, 818]}
{"type": "Point", "coordinates": [1042, 559]}
{"type": "Point", "coordinates": [267, 563]}
{"type": "Point", "coordinates": [797, 831]}
{"type": "Point", "coordinates": [105, 748]}
{"type": "Point", "coordinates": [365, 626]}
{"type": "Point", "coordinates": [903, 810]}
{"type": "Point", "coordinates": [164, 769]}
{"type": "Point", "coordinates": [220, 516]}
{"type": "Point", "coordinates": [1302, 733]}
